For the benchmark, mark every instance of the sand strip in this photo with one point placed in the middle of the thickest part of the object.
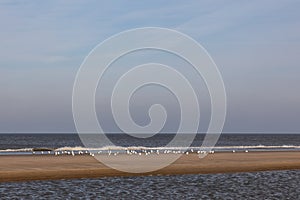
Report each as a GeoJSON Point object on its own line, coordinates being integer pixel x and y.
{"type": "Point", "coordinates": [49, 167]}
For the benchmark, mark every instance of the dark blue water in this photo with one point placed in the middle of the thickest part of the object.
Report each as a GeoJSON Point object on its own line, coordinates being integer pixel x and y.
{"type": "Point", "coordinates": [15, 141]}
{"type": "Point", "coordinates": [258, 185]}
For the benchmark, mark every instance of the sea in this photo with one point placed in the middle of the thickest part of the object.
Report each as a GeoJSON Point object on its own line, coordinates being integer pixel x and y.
{"type": "Point", "coordinates": [253, 185]}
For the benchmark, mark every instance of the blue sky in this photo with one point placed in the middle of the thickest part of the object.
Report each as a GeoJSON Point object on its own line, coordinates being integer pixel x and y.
{"type": "Point", "coordinates": [255, 44]}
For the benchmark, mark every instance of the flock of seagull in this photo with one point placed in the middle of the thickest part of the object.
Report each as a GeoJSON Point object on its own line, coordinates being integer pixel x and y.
{"type": "Point", "coordinates": [128, 152]}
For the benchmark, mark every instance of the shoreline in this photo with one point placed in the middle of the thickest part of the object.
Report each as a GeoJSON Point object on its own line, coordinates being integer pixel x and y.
{"type": "Point", "coordinates": [49, 167]}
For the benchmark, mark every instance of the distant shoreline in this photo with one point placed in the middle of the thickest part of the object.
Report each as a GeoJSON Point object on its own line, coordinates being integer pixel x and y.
{"type": "Point", "coordinates": [49, 167]}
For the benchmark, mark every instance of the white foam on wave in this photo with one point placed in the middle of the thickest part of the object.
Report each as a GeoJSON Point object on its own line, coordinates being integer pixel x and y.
{"type": "Point", "coordinates": [17, 150]}
{"type": "Point", "coordinates": [175, 148]}
{"type": "Point", "coordinates": [258, 147]}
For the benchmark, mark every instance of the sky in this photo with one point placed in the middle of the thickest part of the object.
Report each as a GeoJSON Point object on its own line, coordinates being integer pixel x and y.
{"type": "Point", "coordinates": [255, 45]}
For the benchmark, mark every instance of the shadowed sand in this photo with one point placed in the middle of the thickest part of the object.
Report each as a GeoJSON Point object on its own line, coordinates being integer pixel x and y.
{"type": "Point", "coordinates": [48, 167]}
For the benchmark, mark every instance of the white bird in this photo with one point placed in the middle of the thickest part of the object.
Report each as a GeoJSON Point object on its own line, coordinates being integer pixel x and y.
{"type": "Point", "coordinates": [246, 151]}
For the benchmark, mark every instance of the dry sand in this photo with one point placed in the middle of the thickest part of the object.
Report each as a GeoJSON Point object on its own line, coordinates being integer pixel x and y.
{"type": "Point", "coordinates": [49, 167]}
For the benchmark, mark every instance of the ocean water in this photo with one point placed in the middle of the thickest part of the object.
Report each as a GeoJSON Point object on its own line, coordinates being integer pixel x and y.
{"type": "Point", "coordinates": [18, 143]}
{"type": "Point", "coordinates": [257, 185]}
{"type": "Point", "coordinates": [254, 185]}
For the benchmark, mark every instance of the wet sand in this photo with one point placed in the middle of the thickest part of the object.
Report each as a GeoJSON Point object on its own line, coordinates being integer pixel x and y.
{"type": "Point", "coordinates": [50, 167]}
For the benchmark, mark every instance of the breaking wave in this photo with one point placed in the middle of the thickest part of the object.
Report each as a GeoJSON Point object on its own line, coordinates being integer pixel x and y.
{"type": "Point", "coordinates": [120, 148]}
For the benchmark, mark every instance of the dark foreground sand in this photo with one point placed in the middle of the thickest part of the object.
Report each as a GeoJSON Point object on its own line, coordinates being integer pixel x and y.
{"type": "Point", "coordinates": [46, 167]}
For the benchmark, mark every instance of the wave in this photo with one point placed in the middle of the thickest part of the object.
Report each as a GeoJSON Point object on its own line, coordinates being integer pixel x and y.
{"type": "Point", "coordinates": [120, 148]}
{"type": "Point", "coordinates": [17, 150]}
{"type": "Point", "coordinates": [176, 148]}
{"type": "Point", "coordinates": [258, 147]}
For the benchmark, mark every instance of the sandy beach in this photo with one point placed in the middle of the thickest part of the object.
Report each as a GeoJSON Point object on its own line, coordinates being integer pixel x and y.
{"type": "Point", "coordinates": [49, 167]}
